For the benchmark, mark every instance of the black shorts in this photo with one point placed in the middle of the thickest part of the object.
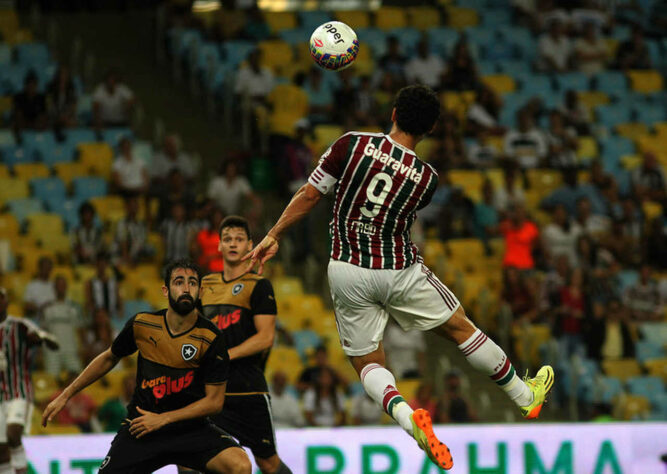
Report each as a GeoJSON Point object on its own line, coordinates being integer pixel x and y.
{"type": "Point", "coordinates": [190, 447]}
{"type": "Point", "coordinates": [248, 419]}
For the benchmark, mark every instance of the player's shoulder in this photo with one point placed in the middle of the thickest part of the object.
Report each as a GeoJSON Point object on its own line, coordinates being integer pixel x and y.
{"type": "Point", "coordinates": [212, 279]}
{"type": "Point", "coordinates": [205, 330]}
{"type": "Point", "coordinates": [357, 133]}
{"type": "Point", "coordinates": [150, 317]}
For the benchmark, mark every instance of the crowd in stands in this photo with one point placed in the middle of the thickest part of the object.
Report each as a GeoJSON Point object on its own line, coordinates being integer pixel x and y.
{"type": "Point", "coordinates": [550, 152]}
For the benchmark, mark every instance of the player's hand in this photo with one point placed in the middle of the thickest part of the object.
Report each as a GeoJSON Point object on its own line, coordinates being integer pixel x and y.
{"type": "Point", "coordinates": [53, 408]}
{"type": "Point", "coordinates": [262, 252]}
{"type": "Point", "coordinates": [146, 423]}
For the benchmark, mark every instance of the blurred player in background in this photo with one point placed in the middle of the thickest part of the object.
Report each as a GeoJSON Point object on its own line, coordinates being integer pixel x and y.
{"type": "Point", "coordinates": [182, 373]}
{"type": "Point", "coordinates": [243, 306]}
{"type": "Point", "coordinates": [375, 270]}
{"type": "Point", "coordinates": [18, 338]}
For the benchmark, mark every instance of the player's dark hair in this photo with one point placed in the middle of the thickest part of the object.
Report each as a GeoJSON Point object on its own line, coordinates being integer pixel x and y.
{"type": "Point", "coordinates": [234, 221]}
{"type": "Point", "coordinates": [175, 265]}
{"type": "Point", "coordinates": [417, 109]}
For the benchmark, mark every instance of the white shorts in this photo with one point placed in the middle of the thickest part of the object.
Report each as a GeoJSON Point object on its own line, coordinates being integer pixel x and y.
{"type": "Point", "coordinates": [364, 299]}
{"type": "Point", "coordinates": [14, 412]}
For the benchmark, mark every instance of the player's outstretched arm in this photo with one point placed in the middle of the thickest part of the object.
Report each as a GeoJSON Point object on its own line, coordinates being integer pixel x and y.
{"type": "Point", "coordinates": [97, 368]}
{"type": "Point", "coordinates": [301, 204]}
{"type": "Point", "coordinates": [209, 405]}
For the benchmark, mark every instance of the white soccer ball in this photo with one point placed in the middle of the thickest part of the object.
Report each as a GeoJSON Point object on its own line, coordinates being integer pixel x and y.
{"type": "Point", "coordinates": [334, 45]}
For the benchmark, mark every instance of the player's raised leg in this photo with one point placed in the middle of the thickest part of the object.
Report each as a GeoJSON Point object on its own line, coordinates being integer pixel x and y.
{"type": "Point", "coordinates": [487, 357]}
{"type": "Point", "coordinates": [230, 461]}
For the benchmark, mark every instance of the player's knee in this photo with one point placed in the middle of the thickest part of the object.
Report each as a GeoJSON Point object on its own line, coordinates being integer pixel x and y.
{"type": "Point", "coordinates": [14, 433]}
{"type": "Point", "coordinates": [230, 461]}
{"type": "Point", "coordinates": [269, 465]}
{"type": "Point", "coordinates": [242, 466]}
{"type": "Point", "coordinates": [458, 328]}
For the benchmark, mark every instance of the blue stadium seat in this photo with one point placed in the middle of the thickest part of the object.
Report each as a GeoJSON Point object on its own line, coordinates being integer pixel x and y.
{"type": "Point", "coordinates": [305, 341]}
{"type": "Point", "coordinates": [488, 67]}
{"type": "Point", "coordinates": [12, 78]}
{"type": "Point", "coordinates": [312, 19]}
{"type": "Point", "coordinates": [74, 136]}
{"type": "Point", "coordinates": [38, 143]}
{"type": "Point", "coordinates": [236, 51]}
{"type": "Point", "coordinates": [513, 67]}
{"type": "Point", "coordinates": [48, 189]}
{"type": "Point", "coordinates": [68, 209]}
{"type": "Point", "coordinates": [607, 388]}
{"type": "Point", "coordinates": [442, 39]}
{"type": "Point", "coordinates": [408, 39]}
{"type": "Point", "coordinates": [6, 137]}
{"type": "Point", "coordinates": [646, 386]}
{"type": "Point", "coordinates": [22, 208]}
{"type": "Point", "coordinates": [88, 187]}
{"type": "Point", "coordinates": [84, 108]}
{"type": "Point", "coordinates": [113, 136]}
{"type": "Point", "coordinates": [610, 82]}
{"type": "Point", "coordinates": [208, 55]}
{"type": "Point", "coordinates": [655, 53]}
{"type": "Point", "coordinates": [654, 332]}
{"type": "Point", "coordinates": [613, 148]}
{"type": "Point", "coordinates": [143, 150]}
{"type": "Point", "coordinates": [650, 114]}
{"type": "Point", "coordinates": [499, 50]}
{"type": "Point", "coordinates": [622, 177]}
{"type": "Point", "coordinates": [577, 81]}
{"type": "Point", "coordinates": [660, 407]}
{"type": "Point", "coordinates": [15, 154]}
{"type": "Point", "coordinates": [185, 40]}
{"type": "Point", "coordinates": [5, 54]}
{"type": "Point", "coordinates": [61, 152]}
{"type": "Point", "coordinates": [621, 32]}
{"type": "Point", "coordinates": [627, 278]}
{"type": "Point", "coordinates": [216, 81]}
{"type": "Point", "coordinates": [536, 85]}
{"type": "Point", "coordinates": [375, 38]}
{"type": "Point", "coordinates": [33, 54]}
{"type": "Point", "coordinates": [611, 115]}
{"type": "Point", "coordinates": [295, 36]}
{"type": "Point", "coordinates": [494, 17]}
{"type": "Point", "coordinates": [649, 350]}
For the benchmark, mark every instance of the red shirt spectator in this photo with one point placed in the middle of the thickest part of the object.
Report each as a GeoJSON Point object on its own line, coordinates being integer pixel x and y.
{"type": "Point", "coordinates": [209, 258]}
{"type": "Point", "coordinates": [520, 236]}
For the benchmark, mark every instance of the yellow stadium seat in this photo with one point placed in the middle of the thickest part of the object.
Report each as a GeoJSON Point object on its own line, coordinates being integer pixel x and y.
{"type": "Point", "coordinates": [64, 270]}
{"type": "Point", "coordinates": [632, 130]}
{"type": "Point", "coordinates": [423, 18]}
{"type": "Point", "coordinates": [587, 148]}
{"type": "Point", "coordinates": [44, 385]}
{"type": "Point", "coordinates": [96, 158]}
{"type": "Point", "coordinates": [285, 359]}
{"type": "Point", "coordinates": [290, 103]}
{"type": "Point", "coordinates": [279, 21]}
{"type": "Point", "coordinates": [631, 162]}
{"type": "Point", "coordinates": [500, 83]}
{"type": "Point", "coordinates": [621, 368]}
{"type": "Point", "coordinates": [13, 188]}
{"type": "Point", "coordinates": [646, 82]}
{"type": "Point", "coordinates": [631, 407]}
{"type": "Point", "coordinates": [470, 180]}
{"type": "Point", "coordinates": [109, 208]}
{"type": "Point", "coordinates": [23, 35]}
{"type": "Point", "coordinates": [657, 367]}
{"type": "Point", "coordinates": [528, 340]}
{"type": "Point", "coordinates": [466, 248]}
{"type": "Point", "coordinates": [31, 170]}
{"type": "Point", "coordinates": [364, 63]}
{"type": "Point", "coordinates": [4, 171]}
{"type": "Point", "coordinates": [9, 24]}
{"type": "Point", "coordinates": [544, 180]}
{"type": "Point", "coordinates": [495, 175]}
{"type": "Point", "coordinates": [461, 17]}
{"type": "Point", "coordinates": [651, 210]}
{"type": "Point", "coordinates": [408, 387]}
{"type": "Point", "coordinates": [650, 143]}
{"type": "Point", "coordinates": [660, 129]}
{"type": "Point", "coordinates": [84, 272]}
{"type": "Point", "coordinates": [287, 286]}
{"type": "Point", "coordinates": [612, 46]}
{"type": "Point", "coordinates": [592, 99]}
{"type": "Point", "coordinates": [59, 244]}
{"type": "Point", "coordinates": [29, 257]}
{"type": "Point", "coordinates": [387, 18]}
{"type": "Point", "coordinates": [276, 54]}
{"type": "Point", "coordinates": [5, 104]}
{"type": "Point", "coordinates": [9, 226]}
{"type": "Point", "coordinates": [45, 224]}
{"type": "Point", "coordinates": [68, 171]}
{"type": "Point", "coordinates": [426, 147]}
{"type": "Point", "coordinates": [354, 18]}
{"type": "Point", "coordinates": [325, 135]}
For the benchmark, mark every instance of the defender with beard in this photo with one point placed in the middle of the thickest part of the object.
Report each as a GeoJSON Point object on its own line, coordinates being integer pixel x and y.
{"type": "Point", "coordinates": [182, 374]}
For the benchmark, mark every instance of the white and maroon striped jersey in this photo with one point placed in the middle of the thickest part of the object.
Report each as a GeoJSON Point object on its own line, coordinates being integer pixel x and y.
{"type": "Point", "coordinates": [15, 358]}
{"type": "Point", "coordinates": [379, 185]}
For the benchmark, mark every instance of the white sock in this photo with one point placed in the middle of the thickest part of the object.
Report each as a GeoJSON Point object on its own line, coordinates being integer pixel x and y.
{"type": "Point", "coordinates": [380, 385]}
{"type": "Point", "coordinates": [19, 458]}
{"type": "Point", "coordinates": [485, 355]}
{"type": "Point", "coordinates": [6, 468]}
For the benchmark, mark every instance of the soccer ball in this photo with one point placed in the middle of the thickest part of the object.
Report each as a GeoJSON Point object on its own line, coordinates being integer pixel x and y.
{"type": "Point", "coordinates": [334, 45]}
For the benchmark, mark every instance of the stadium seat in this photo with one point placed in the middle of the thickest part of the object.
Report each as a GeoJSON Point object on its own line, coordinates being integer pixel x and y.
{"type": "Point", "coordinates": [536, 85]}
{"type": "Point", "coordinates": [442, 40]}
{"type": "Point", "coordinates": [279, 21]}
{"type": "Point", "coordinates": [32, 54]}
{"type": "Point", "coordinates": [621, 368]}
{"type": "Point", "coordinates": [48, 189]}
{"type": "Point", "coordinates": [632, 130]}
{"type": "Point", "coordinates": [285, 359]}
{"type": "Point", "coordinates": [610, 82]}
{"type": "Point", "coordinates": [325, 135]}
{"type": "Point", "coordinates": [13, 188]}
{"type": "Point", "coordinates": [655, 332]}
{"type": "Point", "coordinates": [587, 148]}
{"type": "Point", "coordinates": [17, 281]}
{"type": "Point", "coordinates": [500, 83]}
{"type": "Point", "coordinates": [44, 224]}
{"type": "Point", "coordinates": [309, 20]}
{"type": "Point", "coordinates": [649, 143]}
{"type": "Point", "coordinates": [354, 18]}
{"type": "Point", "coordinates": [44, 386]}
{"type": "Point", "coordinates": [632, 407]}
{"type": "Point", "coordinates": [287, 286]}
{"type": "Point", "coordinates": [97, 158]}
{"type": "Point", "coordinates": [5, 54]}
{"type": "Point", "coordinates": [14, 154]}
{"type": "Point", "coordinates": [612, 115]}
{"type": "Point", "coordinates": [276, 54]}
{"type": "Point", "coordinates": [236, 51]}
{"type": "Point", "coordinates": [645, 82]}
{"type": "Point", "coordinates": [387, 18]}
{"type": "Point", "coordinates": [591, 99]}
{"type": "Point", "coordinates": [499, 50]}
{"type": "Point", "coordinates": [289, 104]}
{"type": "Point", "coordinates": [660, 129]}
{"type": "Point", "coordinates": [544, 180]}
{"type": "Point", "coordinates": [631, 162]}
{"type": "Point", "coordinates": [38, 144]}
{"type": "Point", "coordinates": [461, 17]}
{"type": "Point", "coordinates": [74, 136]}
{"type": "Point", "coordinates": [650, 114]}
{"type": "Point", "coordinates": [29, 255]}
{"type": "Point", "coordinates": [471, 182]}
{"type": "Point", "coordinates": [68, 171]}
{"type": "Point", "coordinates": [657, 367]}
{"type": "Point", "coordinates": [113, 136]}
{"type": "Point", "coordinates": [59, 153]}
{"type": "Point", "coordinates": [408, 387]}
{"type": "Point", "coordinates": [305, 342]}
{"type": "Point", "coordinates": [607, 388]}
{"type": "Point", "coordinates": [22, 208]}
{"type": "Point", "coordinates": [59, 244]}
{"type": "Point", "coordinates": [27, 171]}
{"type": "Point", "coordinates": [109, 208]}
{"type": "Point", "coordinates": [423, 18]}
{"type": "Point", "coordinates": [650, 387]}
{"type": "Point", "coordinates": [89, 187]}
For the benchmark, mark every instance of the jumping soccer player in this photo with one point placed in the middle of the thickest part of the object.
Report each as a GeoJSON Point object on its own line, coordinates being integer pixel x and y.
{"type": "Point", "coordinates": [375, 270]}
{"type": "Point", "coordinates": [243, 307]}
{"type": "Point", "coordinates": [181, 377]}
